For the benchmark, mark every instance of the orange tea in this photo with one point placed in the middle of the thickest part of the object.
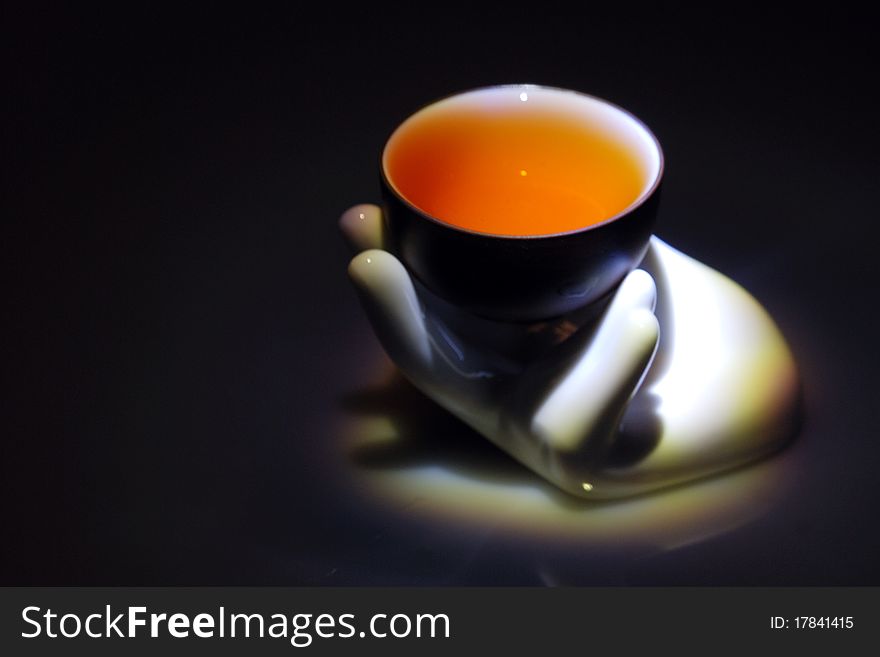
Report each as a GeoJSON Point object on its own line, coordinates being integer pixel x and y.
{"type": "Point", "coordinates": [521, 160]}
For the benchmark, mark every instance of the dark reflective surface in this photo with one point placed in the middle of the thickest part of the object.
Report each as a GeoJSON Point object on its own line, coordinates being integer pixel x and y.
{"type": "Point", "coordinates": [183, 356]}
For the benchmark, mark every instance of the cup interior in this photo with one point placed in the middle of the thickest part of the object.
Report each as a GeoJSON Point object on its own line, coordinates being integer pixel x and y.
{"type": "Point", "coordinates": [522, 161]}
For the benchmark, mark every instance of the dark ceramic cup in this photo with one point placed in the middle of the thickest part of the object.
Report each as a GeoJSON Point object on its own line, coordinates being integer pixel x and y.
{"type": "Point", "coordinates": [525, 278]}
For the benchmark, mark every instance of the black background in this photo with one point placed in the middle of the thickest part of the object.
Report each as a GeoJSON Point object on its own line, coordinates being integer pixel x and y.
{"type": "Point", "coordinates": [179, 331]}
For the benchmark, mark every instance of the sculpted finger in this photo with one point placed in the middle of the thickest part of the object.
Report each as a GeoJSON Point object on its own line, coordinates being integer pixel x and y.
{"type": "Point", "coordinates": [361, 226]}
{"type": "Point", "coordinates": [588, 400]}
{"type": "Point", "coordinates": [391, 303]}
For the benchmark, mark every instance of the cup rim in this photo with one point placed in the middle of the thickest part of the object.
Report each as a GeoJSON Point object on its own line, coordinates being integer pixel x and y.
{"type": "Point", "coordinates": [640, 200]}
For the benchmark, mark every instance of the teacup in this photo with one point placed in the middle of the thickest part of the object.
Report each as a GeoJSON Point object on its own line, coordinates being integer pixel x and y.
{"type": "Point", "coordinates": [520, 202]}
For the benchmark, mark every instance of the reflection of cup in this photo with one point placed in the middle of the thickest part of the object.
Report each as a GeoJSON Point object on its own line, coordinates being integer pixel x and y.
{"type": "Point", "coordinates": [575, 178]}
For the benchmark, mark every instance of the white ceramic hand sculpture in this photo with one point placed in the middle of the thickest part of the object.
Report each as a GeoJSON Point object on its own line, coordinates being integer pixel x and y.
{"type": "Point", "coordinates": [682, 375]}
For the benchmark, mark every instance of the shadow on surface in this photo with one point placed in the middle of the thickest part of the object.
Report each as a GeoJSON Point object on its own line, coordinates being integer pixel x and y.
{"type": "Point", "coordinates": [421, 433]}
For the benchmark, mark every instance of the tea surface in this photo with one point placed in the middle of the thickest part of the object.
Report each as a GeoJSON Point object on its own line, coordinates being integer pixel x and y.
{"type": "Point", "coordinates": [512, 168]}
